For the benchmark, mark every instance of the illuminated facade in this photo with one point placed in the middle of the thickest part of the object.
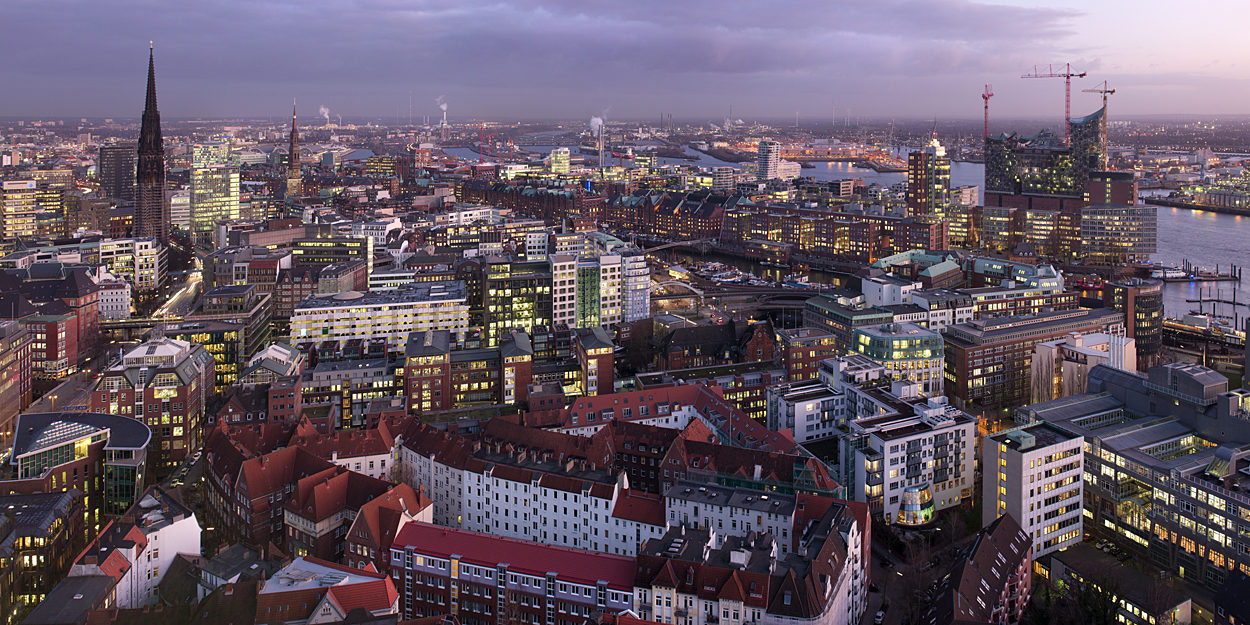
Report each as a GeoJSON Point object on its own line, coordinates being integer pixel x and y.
{"type": "Point", "coordinates": [768, 163]}
{"type": "Point", "coordinates": [1039, 483]}
{"type": "Point", "coordinates": [162, 383]}
{"type": "Point", "coordinates": [906, 350]}
{"type": "Point", "coordinates": [518, 295]}
{"type": "Point", "coordinates": [376, 314]}
{"type": "Point", "coordinates": [214, 198]}
{"type": "Point", "coordinates": [560, 161]}
{"type": "Point", "coordinates": [1115, 234]}
{"type": "Point", "coordinates": [928, 180]}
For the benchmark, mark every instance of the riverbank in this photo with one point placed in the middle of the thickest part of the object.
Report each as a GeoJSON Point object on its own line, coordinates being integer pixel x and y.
{"type": "Point", "coordinates": [1224, 210]}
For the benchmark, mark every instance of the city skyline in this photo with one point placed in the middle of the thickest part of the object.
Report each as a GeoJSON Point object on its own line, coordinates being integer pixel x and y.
{"type": "Point", "coordinates": [635, 61]}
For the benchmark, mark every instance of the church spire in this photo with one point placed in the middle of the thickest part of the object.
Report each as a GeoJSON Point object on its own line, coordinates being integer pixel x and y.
{"type": "Point", "coordinates": [152, 217]}
{"type": "Point", "coordinates": [293, 173]}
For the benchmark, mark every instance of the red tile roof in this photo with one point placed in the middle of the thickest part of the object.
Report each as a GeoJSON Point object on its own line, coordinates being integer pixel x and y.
{"type": "Point", "coordinates": [372, 596]}
{"type": "Point", "coordinates": [640, 507]}
{"type": "Point", "coordinates": [531, 558]}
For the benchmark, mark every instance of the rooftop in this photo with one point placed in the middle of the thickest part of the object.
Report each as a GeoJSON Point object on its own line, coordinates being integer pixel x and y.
{"type": "Point", "coordinates": [748, 499]}
{"type": "Point", "coordinates": [40, 431]}
{"type": "Point", "coordinates": [417, 292]}
{"type": "Point", "coordinates": [311, 573]}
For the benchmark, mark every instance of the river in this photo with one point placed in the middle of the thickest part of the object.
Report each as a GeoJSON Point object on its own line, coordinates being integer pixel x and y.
{"type": "Point", "coordinates": [1204, 239]}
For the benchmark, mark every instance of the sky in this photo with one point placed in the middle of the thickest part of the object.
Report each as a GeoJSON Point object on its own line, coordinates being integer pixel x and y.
{"type": "Point", "coordinates": [622, 60]}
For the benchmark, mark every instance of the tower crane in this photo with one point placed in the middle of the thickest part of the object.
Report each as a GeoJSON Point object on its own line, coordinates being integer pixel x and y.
{"type": "Point", "coordinates": [989, 93]}
{"type": "Point", "coordinates": [1104, 91]}
{"type": "Point", "coordinates": [1064, 71]}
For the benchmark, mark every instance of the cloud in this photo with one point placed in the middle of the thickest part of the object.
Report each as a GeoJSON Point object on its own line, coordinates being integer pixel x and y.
{"type": "Point", "coordinates": [544, 58]}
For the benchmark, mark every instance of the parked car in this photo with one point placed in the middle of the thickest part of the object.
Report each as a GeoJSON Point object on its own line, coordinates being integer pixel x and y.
{"type": "Point", "coordinates": [879, 618]}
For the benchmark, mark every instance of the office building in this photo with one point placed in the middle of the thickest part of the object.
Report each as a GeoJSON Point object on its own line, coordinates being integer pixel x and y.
{"type": "Point", "coordinates": [841, 314]}
{"type": "Point", "coordinates": [104, 456]}
{"type": "Point", "coordinates": [906, 350]}
{"type": "Point", "coordinates": [1036, 477]}
{"type": "Point", "coordinates": [1180, 421]}
{"type": "Point", "coordinates": [1111, 187]}
{"type": "Point", "coordinates": [1060, 368]}
{"type": "Point", "coordinates": [16, 377]}
{"type": "Point", "coordinates": [1141, 301]}
{"type": "Point", "coordinates": [560, 161]}
{"type": "Point", "coordinates": [989, 361]}
{"type": "Point", "coordinates": [928, 180]}
{"type": "Point", "coordinates": [163, 383]}
{"type": "Point", "coordinates": [214, 198]}
{"type": "Point", "coordinates": [1117, 234]}
{"type": "Point", "coordinates": [152, 217]}
{"type": "Point", "coordinates": [768, 161]}
{"type": "Point", "coordinates": [116, 166]}
{"type": "Point", "coordinates": [518, 295]}
{"type": "Point", "coordinates": [390, 314]}
{"type": "Point", "coordinates": [142, 261]}
{"type": "Point", "coordinates": [1136, 597]}
{"type": "Point", "coordinates": [41, 535]}
{"type": "Point", "coordinates": [20, 208]}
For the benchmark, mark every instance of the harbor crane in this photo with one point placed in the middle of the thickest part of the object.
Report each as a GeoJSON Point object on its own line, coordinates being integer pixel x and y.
{"type": "Point", "coordinates": [1104, 91]}
{"type": "Point", "coordinates": [1058, 70]}
{"type": "Point", "coordinates": [989, 93]}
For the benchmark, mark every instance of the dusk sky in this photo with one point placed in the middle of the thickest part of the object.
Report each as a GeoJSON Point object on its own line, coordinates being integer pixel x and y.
{"type": "Point", "coordinates": [635, 60]}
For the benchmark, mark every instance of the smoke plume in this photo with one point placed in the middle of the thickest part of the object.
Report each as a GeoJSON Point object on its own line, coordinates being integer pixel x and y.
{"type": "Point", "coordinates": [324, 112]}
{"type": "Point", "coordinates": [442, 103]}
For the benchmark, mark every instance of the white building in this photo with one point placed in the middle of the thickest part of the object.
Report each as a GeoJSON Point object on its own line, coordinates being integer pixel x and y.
{"type": "Point", "coordinates": [391, 314]}
{"type": "Point", "coordinates": [564, 289]}
{"type": "Point", "coordinates": [462, 214]}
{"type": "Point", "coordinates": [376, 230]}
{"type": "Point", "coordinates": [142, 548]}
{"type": "Point", "coordinates": [180, 210]}
{"type": "Point", "coordinates": [727, 511]}
{"type": "Point", "coordinates": [887, 290]}
{"type": "Point", "coordinates": [1034, 473]}
{"type": "Point", "coordinates": [768, 160]}
{"type": "Point", "coordinates": [569, 504]}
{"type": "Point", "coordinates": [114, 300]}
{"type": "Point", "coordinates": [142, 261]}
{"type": "Point", "coordinates": [944, 306]}
{"type": "Point", "coordinates": [560, 160]}
{"type": "Point", "coordinates": [912, 456]}
{"type": "Point", "coordinates": [1061, 368]}
{"type": "Point", "coordinates": [536, 245]}
{"type": "Point", "coordinates": [723, 179]}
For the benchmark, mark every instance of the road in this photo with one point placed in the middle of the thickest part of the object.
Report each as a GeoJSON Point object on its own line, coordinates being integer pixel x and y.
{"type": "Point", "coordinates": [182, 300]}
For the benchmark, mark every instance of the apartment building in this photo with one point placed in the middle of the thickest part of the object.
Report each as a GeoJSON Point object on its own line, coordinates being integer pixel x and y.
{"type": "Point", "coordinates": [390, 314]}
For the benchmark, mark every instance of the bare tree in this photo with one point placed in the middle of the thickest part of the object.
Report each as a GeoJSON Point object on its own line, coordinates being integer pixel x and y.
{"type": "Point", "coordinates": [1096, 596]}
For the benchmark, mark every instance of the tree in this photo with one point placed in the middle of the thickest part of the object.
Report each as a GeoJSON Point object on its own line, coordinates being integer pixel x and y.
{"type": "Point", "coordinates": [1096, 595]}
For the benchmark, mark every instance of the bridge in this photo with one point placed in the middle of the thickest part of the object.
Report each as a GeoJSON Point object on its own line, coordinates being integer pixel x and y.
{"type": "Point", "coordinates": [129, 326]}
{"type": "Point", "coordinates": [703, 245]}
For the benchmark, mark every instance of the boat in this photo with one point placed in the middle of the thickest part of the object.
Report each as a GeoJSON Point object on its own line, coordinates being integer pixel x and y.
{"type": "Point", "coordinates": [1168, 273]}
{"type": "Point", "coordinates": [797, 281]}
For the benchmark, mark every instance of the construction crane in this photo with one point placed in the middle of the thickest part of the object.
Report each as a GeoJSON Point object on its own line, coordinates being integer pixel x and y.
{"type": "Point", "coordinates": [1065, 72]}
{"type": "Point", "coordinates": [989, 93]}
{"type": "Point", "coordinates": [1104, 91]}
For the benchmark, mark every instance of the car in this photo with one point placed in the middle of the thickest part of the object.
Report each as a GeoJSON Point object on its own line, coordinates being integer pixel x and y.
{"type": "Point", "coordinates": [1100, 544]}
{"type": "Point", "coordinates": [879, 618]}
{"type": "Point", "coordinates": [1088, 537]}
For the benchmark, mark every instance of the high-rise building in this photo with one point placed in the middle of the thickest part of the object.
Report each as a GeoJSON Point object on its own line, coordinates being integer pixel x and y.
{"type": "Point", "coordinates": [1141, 301]}
{"type": "Point", "coordinates": [214, 198]}
{"type": "Point", "coordinates": [1040, 171]}
{"type": "Point", "coordinates": [928, 180]}
{"type": "Point", "coordinates": [294, 175]}
{"type": "Point", "coordinates": [724, 179]}
{"type": "Point", "coordinates": [151, 207]}
{"type": "Point", "coordinates": [560, 161]}
{"type": "Point", "coordinates": [768, 163]}
{"type": "Point", "coordinates": [20, 206]}
{"type": "Point", "coordinates": [116, 165]}
{"type": "Point", "coordinates": [1039, 483]}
